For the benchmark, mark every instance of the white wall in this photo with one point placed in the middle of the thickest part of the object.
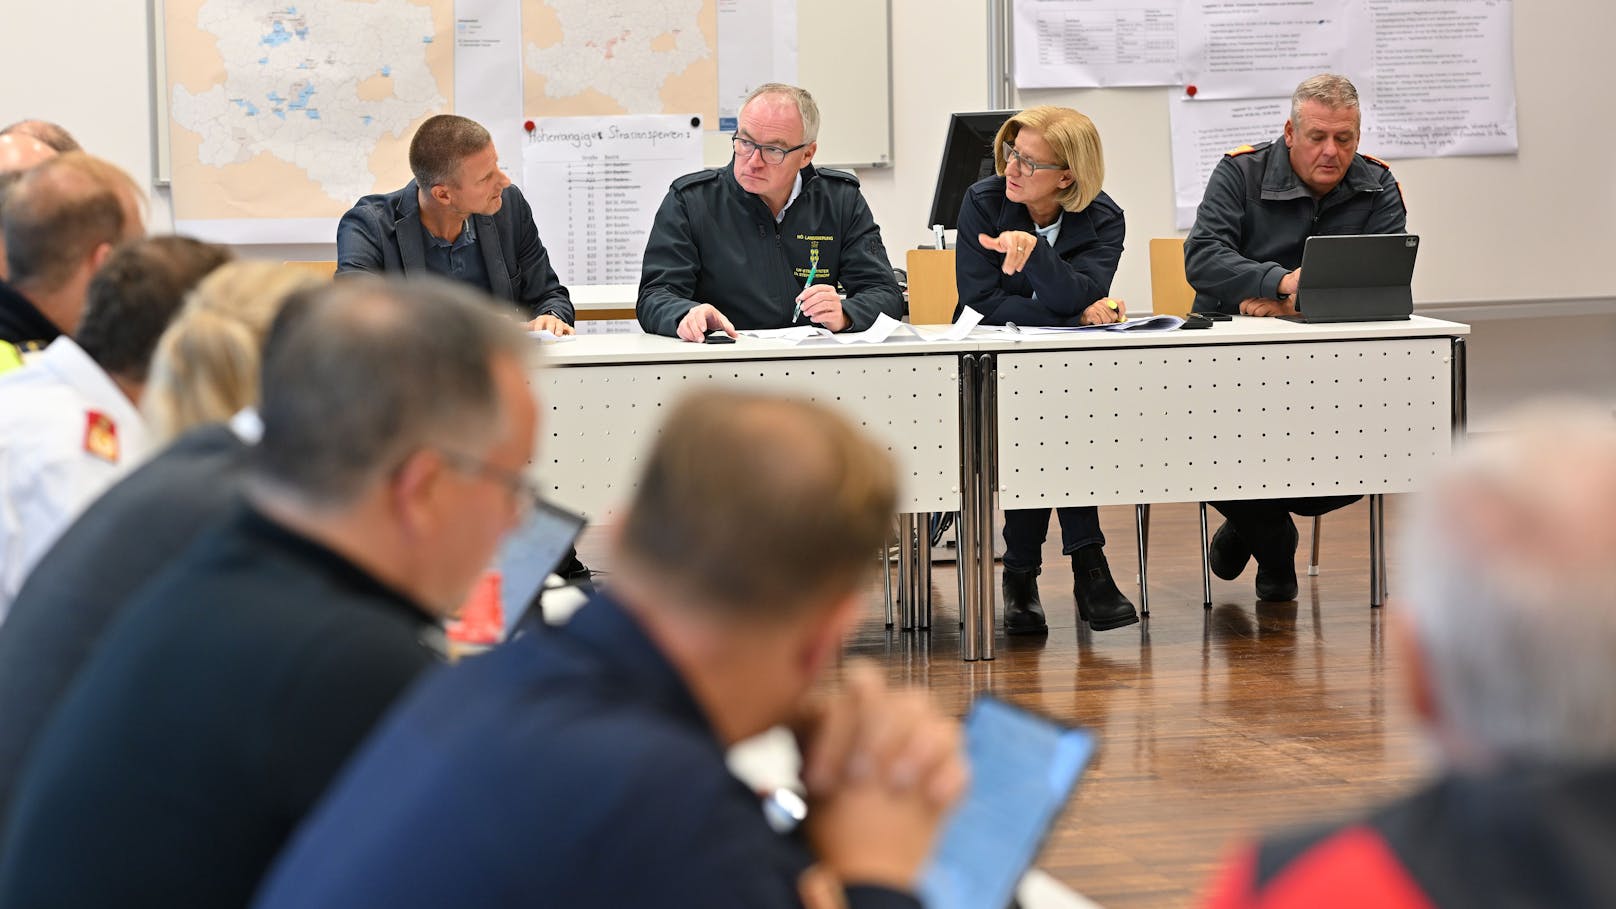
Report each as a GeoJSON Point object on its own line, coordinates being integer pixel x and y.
{"type": "Point", "coordinates": [1535, 227]}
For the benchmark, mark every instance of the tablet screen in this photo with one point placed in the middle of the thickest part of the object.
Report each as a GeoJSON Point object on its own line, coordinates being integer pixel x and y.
{"type": "Point", "coordinates": [1023, 769]}
{"type": "Point", "coordinates": [530, 553]}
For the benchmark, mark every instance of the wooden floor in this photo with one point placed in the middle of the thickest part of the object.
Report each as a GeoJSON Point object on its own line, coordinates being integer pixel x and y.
{"type": "Point", "coordinates": [1213, 723]}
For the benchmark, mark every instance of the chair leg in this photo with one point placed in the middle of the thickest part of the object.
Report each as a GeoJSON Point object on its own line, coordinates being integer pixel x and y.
{"type": "Point", "coordinates": [1206, 561]}
{"type": "Point", "coordinates": [1141, 526]}
{"type": "Point", "coordinates": [1313, 561]}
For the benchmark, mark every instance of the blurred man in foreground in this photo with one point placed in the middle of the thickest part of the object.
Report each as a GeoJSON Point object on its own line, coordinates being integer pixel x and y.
{"type": "Point", "coordinates": [1509, 630]}
{"type": "Point", "coordinates": [585, 766]}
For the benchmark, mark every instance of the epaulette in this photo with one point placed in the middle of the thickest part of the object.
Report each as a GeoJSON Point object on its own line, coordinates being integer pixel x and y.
{"type": "Point", "coordinates": [1374, 160]}
{"type": "Point", "coordinates": [1242, 150]}
{"type": "Point", "coordinates": [832, 172]}
{"type": "Point", "coordinates": [700, 176]}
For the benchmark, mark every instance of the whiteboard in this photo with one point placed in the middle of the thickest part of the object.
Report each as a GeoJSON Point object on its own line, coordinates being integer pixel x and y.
{"type": "Point", "coordinates": [844, 60]}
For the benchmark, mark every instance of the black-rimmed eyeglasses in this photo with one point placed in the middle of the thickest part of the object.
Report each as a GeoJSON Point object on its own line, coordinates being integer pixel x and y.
{"type": "Point", "coordinates": [772, 154]}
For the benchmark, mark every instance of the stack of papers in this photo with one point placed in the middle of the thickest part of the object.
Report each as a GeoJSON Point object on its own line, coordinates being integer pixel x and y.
{"type": "Point", "coordinates": [1154, 323]}
{"type": "Point", "coordinates": [885, 327]}
{"type": "Point", "coordinates": [549, 336]}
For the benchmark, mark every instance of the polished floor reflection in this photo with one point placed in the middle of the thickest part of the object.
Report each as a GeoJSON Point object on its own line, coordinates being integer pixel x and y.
{"type": "Point", "coordinates": [1213, 722]}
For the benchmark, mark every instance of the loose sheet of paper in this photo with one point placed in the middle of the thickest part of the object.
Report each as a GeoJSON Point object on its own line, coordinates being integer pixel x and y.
{"type": "Point", "coordinates": [757, 43]}
{"type": "Point", "coordinates": [794, 335]}
{"type": "Point", "coordinates": [1261, 48]}
{"type": "Point", "coordinates": [1442, 78]}
{"type": "Point", "coordinates": [595, 184]}
{"type": "Point", "coordinates": [488, 74]}
{"type": "Point", "coordinates": [883, 328]}
{"type": "Point", "coordinates": [961, 329]}
{"type": "Point", "coordinates": [1203, 131]}
{"type": "Point", "coordinates": [1084, 43]}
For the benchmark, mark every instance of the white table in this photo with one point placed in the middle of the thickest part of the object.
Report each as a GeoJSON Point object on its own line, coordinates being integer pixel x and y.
{"type": "Point", "coordinates": [605, 397]}
{"type": "Point", "coordinates": [1249, 409]}
{"type": "Point", "coordinates": [1253, 408]}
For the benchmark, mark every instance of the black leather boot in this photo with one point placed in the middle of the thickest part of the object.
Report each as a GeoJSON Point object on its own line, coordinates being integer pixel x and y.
{"type": "Point", "coordinates": [1099, 602]}
{"type": "Point", "coordinates": [1276, 563]}
{"type": "Point", "coordinates": [1023, 614]}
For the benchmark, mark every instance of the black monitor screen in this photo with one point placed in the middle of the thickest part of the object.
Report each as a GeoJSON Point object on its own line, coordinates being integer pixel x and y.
{"type": "Point", "coordinates": [967, 158]}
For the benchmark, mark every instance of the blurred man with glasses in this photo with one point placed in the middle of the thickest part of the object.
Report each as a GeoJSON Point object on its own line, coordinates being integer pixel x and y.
{"type": "Point", "coordinates": [769, 241]}
{"type": "Point", "coordinates": [397, 420]}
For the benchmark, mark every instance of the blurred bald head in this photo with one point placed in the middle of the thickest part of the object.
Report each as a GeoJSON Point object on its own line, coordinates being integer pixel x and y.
{"type": "Point", "coordinates": [20, 152]}
{"type": "Point", "coordinates": [60, 223]}
{"type": "Point", "coordinates": [45, 131]}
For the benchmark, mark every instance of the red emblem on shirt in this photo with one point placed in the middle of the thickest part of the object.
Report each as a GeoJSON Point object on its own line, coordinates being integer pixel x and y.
{"type": "Point", "coordinates": [101, 436]}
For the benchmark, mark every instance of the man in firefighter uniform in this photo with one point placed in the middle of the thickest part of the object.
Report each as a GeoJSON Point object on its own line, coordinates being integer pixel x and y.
{"type": "Point", "coordinates": [765, 243]}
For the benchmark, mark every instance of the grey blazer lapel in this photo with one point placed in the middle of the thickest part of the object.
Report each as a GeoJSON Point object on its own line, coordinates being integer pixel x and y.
{"type": "Point", "coordinates": [488, 240]}
{"type": "Point", "coordinates": [407, 230]}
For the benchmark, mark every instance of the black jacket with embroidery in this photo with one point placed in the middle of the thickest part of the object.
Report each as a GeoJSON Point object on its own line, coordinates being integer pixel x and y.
{"type": "Point", "coordinates": [714, 242]}
{"type": "Point", "coordinates": [1257, 214]}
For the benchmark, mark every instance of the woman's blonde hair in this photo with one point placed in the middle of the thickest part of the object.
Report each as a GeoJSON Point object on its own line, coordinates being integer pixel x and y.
{"type": "Point", "coordinates": [1076, 144]}
{"type": "Point", "coordinates": [206, 365]}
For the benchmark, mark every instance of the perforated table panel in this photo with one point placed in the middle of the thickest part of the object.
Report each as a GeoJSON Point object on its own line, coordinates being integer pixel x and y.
{"type": "Point", "coordinates": [599, 421]}
{"type": "Point", "coordinates": [1184, 424]}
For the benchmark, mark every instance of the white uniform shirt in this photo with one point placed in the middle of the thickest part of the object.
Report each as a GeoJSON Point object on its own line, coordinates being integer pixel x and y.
{"type": "Point", "coordinates": [66, 433]}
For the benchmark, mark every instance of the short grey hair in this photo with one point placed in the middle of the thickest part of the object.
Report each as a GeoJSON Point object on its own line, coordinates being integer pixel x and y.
{"type": "Point", "coordinates": [1512, 592]}
{"type": "Point", "coordinates": [807, 108]}
{"type": "Point", "coordinates": [360, 374]}
{"type": "Point", "coordinates": [1333, 91]}
{"type": "Point", "coordinates": [440, 145]}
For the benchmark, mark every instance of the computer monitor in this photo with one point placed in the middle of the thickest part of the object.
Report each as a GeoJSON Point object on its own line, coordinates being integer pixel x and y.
{"type": "Point", "coordinates": [967, 158]}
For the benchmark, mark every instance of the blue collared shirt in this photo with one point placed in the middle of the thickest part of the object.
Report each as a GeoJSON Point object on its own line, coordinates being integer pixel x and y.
{"type": "Point", "coordinates": [461, 260]}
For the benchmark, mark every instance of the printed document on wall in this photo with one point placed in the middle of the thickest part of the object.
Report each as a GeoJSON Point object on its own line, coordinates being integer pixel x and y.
{"type": "Point", "coordinates": [1204, 131]}
{"type": "Point", "coordinates": [757, 43]}
{"type": "Point", "coordinates": [488, 74]}
{"type": "Point", "coordinates": [595, 184]}
{"type": "Point", "coordinates": [1441, 78]}
{"type": "Point", "coordinates": [1086, 43]}
{"type": "Point", "coordinates": [1263, 48]}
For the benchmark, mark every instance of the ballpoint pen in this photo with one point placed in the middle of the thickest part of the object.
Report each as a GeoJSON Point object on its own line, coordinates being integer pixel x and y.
{"type": "Point", "coordinates": [813, 269]}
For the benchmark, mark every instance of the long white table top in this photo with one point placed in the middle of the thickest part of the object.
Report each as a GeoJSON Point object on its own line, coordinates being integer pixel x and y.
{"type": "Point", "coordinates": [1239, 330]}
{"type": "Point", "coordinates": [599, 350]}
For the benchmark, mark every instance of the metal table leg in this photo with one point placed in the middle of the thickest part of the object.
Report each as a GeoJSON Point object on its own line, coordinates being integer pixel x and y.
{"type": "Point", "coordinates": [968, 561]}
{"type": "Point", "coordinates": [1377, 550]}
{"type": "Point", "coordinates": [987, 485]}
{"type": "Point", "coordinates": [1141, 520]}
{"type": "Point", "coordinates": [1206, 563]}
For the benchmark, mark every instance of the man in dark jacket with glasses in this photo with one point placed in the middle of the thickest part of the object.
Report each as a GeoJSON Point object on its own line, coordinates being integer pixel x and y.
{"type": "Point", "coordinates": [769, 242]}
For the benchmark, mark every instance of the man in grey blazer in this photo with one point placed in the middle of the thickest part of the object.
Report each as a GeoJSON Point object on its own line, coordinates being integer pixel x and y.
{"type": "Point", "coordinates": [459, 218]}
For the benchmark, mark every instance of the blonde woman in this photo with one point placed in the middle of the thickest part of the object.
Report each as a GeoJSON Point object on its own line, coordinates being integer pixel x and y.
{"type": "Point", "coordinates": [1038, 245]}
{"type": "Point", "coordinates": [206, 366]}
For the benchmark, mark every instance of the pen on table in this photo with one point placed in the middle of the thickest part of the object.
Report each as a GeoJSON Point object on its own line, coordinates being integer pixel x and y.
{"type": "Point", "coordinates": [813, 268]}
